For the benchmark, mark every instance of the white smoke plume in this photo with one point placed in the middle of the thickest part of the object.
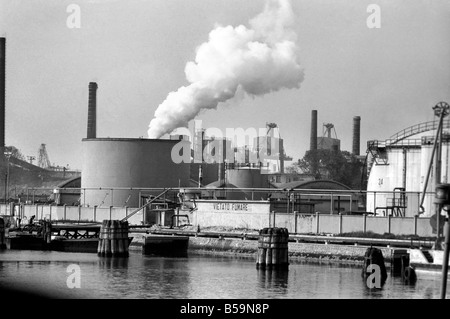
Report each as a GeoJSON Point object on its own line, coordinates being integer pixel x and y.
{"type": "Point", "coordinates": [259, 60]}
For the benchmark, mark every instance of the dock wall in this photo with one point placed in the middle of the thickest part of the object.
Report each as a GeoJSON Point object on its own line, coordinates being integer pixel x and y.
{"type": "Point", "coordinates": [253, 215]}
{"type": "Point", "coordinates": [249, 248]}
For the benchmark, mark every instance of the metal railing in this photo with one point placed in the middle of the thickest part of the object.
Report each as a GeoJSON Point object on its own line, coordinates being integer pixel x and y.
{"type": "Point", "coordinates": [418, 128]}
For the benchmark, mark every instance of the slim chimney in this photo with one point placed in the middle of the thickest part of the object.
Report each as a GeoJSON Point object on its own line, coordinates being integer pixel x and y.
{"type": "Point", "coordinates": [313, 142]}
{"type": "Point", "coordinates": [356, 134]}
{"type": "Point", "coordinates": [92, 111]}
{"type": "Point", "coordinates": [2, 93]}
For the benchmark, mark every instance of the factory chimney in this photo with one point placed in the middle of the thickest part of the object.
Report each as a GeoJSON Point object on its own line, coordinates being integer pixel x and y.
{"type": "Point", "coordinates": [2, 92]}
{"type": "Point", "coordinates": [313, 142]}
{"type": "Point", "coordinates": [92, 111]}
{"type": "Point", "coordinates": [356, 134]}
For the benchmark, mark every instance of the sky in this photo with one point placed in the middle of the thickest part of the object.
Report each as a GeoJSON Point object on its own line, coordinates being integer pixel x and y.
{"type": "Point", "coordinates": [137, 50]}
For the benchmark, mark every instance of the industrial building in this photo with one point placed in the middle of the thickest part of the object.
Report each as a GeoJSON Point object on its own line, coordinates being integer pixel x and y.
{"type": "Point", "coordinates": [115, 169]}
{"type": "Point", "coordinates": [271, 146]}
{"type": "Point", "coordinates": [402, 176]}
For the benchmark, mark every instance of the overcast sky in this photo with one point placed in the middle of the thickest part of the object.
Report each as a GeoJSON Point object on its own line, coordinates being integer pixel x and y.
{"type": "Point", "coordinates": [137, 50]}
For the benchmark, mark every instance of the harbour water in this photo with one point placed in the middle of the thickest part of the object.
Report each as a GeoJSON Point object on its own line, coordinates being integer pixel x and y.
{"type": "Point", "coordinates": [197, 276]}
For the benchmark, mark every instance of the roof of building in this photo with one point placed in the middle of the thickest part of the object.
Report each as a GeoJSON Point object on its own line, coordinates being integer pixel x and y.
{"type": "Point", "coordinates": [74, 182]}
{"type": "Point", "coordinates": [316, 184]}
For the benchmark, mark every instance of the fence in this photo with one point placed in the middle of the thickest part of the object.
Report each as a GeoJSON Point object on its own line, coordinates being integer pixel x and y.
{"type": "Point", "coordinates": [339, 224]}
{"type": "Point", "coordinates": [381, 203]}
{"type": "Point", "coordinates": [255, 219]}
{"type": "Point", "coordinates": [71, 213]}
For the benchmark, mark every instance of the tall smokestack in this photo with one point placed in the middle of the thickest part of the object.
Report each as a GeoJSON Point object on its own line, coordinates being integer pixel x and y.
{"type": "Point", "coordinates": [92, 111]}
{"type": "Point", "coordinates": [2, 92]}
{"type": "Point", "coordinates": [356, 134]}
{"type": "Point", "coordinates": [313, 142]}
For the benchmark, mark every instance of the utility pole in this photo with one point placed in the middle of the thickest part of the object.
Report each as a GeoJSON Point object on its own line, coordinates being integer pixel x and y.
{"type": "Point", "coordinates": [7, 156]}
{"type": "Point", "coordinates": [441, 110]}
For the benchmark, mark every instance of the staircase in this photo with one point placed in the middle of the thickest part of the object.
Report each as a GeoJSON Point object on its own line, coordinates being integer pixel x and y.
{"type": "Point", "coordinates": [428, 256]}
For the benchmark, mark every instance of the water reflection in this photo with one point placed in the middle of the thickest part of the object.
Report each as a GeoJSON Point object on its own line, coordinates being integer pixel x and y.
{"type": "Point", "coordinates": [273, 279]}
{"type": "Point", "coordinates": [150, 277]}
{"type": "Point", "coordinates": [113, 262]}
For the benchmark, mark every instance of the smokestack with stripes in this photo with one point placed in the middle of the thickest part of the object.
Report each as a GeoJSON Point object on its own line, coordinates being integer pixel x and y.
{"type": "Point", "coordinates": [2, 93]}
{"type": "Point", "coordinates": [356, 134]}
{"type": "Point", "coordinates": [92, 111]}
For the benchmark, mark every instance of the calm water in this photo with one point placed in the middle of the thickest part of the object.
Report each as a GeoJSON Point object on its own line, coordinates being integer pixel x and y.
{"type": "Point", "coordinates": [196, 277]}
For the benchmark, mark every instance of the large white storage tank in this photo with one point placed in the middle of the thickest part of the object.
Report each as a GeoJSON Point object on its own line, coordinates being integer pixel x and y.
{"type": "Point", "coordinates": [129, 164]}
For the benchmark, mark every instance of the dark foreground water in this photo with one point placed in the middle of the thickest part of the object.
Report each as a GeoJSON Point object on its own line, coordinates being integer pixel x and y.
{"type": "Point", "coordinates": [194, 277]}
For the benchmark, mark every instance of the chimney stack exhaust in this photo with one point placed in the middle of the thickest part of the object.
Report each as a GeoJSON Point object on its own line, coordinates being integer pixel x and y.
{"type": "Point", "coordinates": [92, 111]}
{"type": "Point", "coordinates": [356, 134]}
{"type": "Point", "coordinates": [313, 142]}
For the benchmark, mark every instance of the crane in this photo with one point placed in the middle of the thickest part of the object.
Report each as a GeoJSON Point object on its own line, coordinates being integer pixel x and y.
{"type": "Point", "coordinates": [43, 161]}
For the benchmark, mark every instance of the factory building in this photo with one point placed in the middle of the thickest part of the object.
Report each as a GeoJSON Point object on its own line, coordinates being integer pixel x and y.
{"type": "Point", "coordinates": [326, 142]}
{"type": "Point", "coordinates": [398, 168]}
{"type": "Point", "coordinates": [209, 156]}
{"type": "Point", "coordinates": [272, 148]}
{"type": "Point", "coordinates": [114, 169]}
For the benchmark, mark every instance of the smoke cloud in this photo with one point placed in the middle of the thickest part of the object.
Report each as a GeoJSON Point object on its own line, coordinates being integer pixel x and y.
{"type": "Point", "coordinates": [258, 59]}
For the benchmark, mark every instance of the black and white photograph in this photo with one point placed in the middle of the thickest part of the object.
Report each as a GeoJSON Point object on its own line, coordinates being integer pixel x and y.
{"type": "Point", "coordinates": [233, 156]}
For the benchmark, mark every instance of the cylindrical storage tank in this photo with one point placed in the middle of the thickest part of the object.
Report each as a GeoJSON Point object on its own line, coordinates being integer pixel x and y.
{"type": "Point", "coordinates": [131, 164]}
{"type": "Point", "coordinates": [247, 178]}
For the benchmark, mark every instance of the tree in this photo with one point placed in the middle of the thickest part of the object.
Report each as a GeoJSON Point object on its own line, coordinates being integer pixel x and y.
{"type": "Point", "coordinates": [15, 152]}
{"type": "Point", "coordinates": [340, 166]}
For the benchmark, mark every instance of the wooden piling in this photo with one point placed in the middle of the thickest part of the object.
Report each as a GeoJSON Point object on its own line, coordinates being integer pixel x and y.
{"type": "Point", "coordinates": [47, 231]}
{"type": "Point", "coordinates": [374, 256]}
{"type": "Point", "coordinates": [113, 239]}
{"type": "Point", "coordinates": [273, 248]}
{"type": "Point", "coordinates": [2, 234]}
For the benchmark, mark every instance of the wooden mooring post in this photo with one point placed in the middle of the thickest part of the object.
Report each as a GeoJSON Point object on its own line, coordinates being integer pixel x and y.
{"type": "Point", "coordinates": [113, 239]}
{"type": "Point", "coordinates": [47, 231]}
{"type": "Point", "coordinates": [273, 248]}
{"type": "Point", "coordinates": [374, 258]}
{"type": "Point", "coordinates": [2, 234]}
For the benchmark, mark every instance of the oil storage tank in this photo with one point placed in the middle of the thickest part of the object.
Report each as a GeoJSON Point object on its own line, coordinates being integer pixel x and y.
{"type": "Point", "coordinates": [123, 166]}
{"type": "Point", "coordinates": [246, 177]}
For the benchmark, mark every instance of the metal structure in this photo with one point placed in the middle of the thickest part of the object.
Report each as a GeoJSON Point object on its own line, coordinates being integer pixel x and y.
{"type": "Point", "coordinates": [441, 110]}
{"type": "Point", "coordinates": [2, 92]}
{"type": "Point", "coordinates": [31, 159]}
{"type": "Point", "coordinates": [327, 129]}
{"type": "Point", "coordinates": [326, 141]}
{"type": "Point", "coordinates": [7, 157]}
{"type": "Point", "coordinates": [43, 161]}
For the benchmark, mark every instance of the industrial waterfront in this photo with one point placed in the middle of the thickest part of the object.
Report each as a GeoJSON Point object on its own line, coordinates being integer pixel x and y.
{"type": "Point", "coordinates": [194, 211]}
{"type": "Point", "coordinates": [197, 276]}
